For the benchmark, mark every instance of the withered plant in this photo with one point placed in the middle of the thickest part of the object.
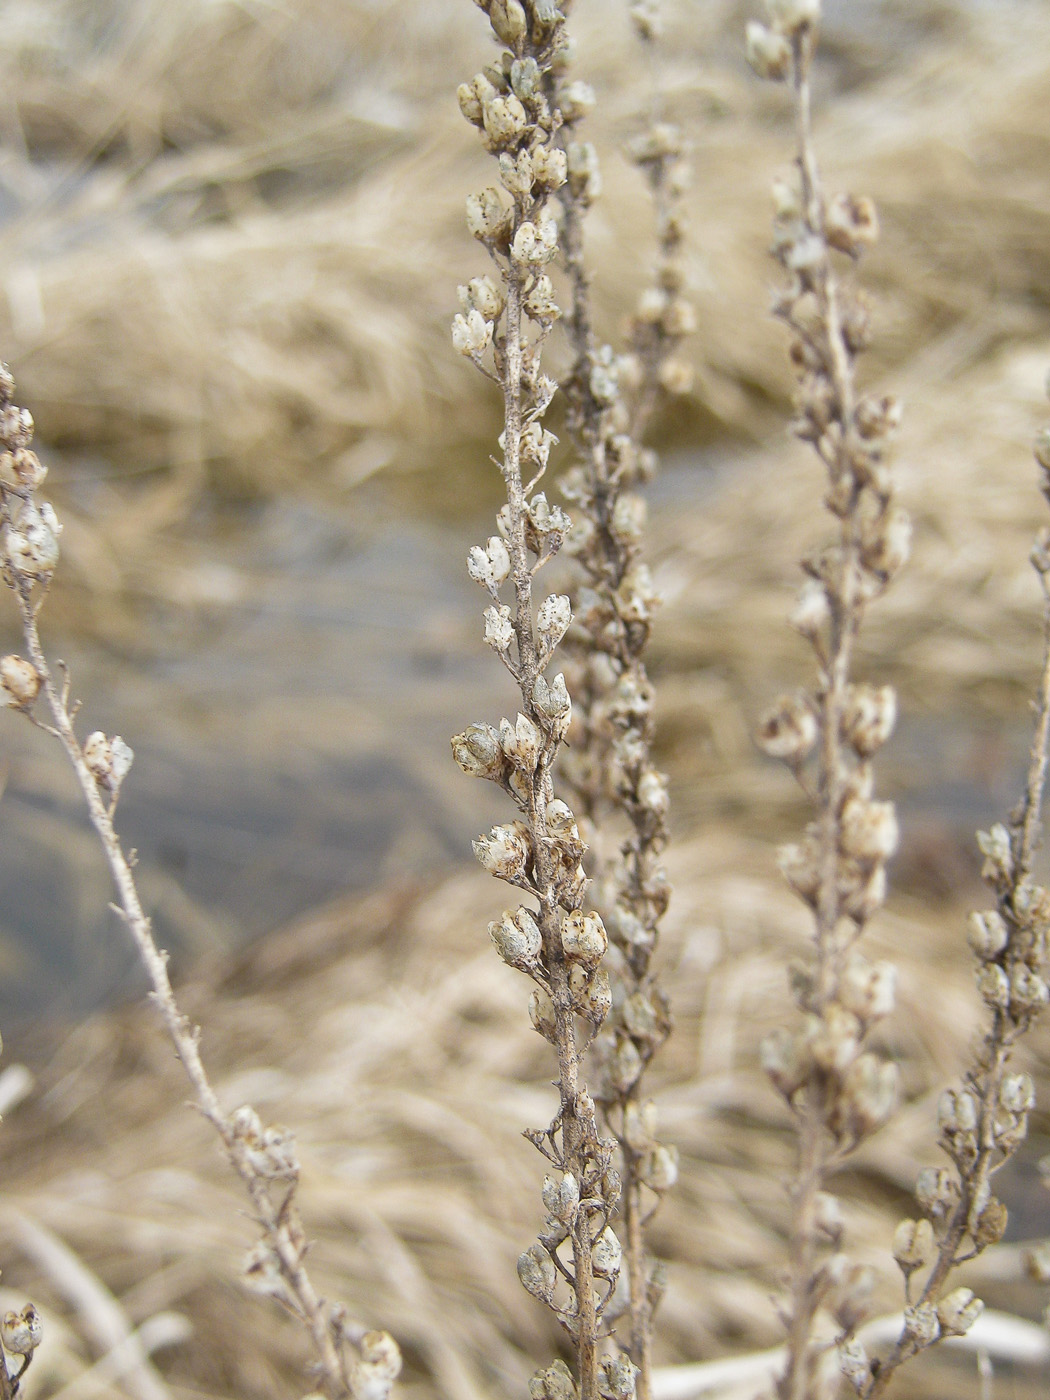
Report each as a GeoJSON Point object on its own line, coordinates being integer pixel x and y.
{"type": "Point", "coordinates": [349, 1359]}
{"type": "Point", "coordinates": [839, 1089]}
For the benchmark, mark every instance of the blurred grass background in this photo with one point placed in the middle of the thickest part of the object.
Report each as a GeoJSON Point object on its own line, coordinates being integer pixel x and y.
{"type": "Point", "coordinates": [230, 235]}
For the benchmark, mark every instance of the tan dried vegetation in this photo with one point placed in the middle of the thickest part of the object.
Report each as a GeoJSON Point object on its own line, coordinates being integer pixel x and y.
{"type": "Point", "coordinates": [243, 287]}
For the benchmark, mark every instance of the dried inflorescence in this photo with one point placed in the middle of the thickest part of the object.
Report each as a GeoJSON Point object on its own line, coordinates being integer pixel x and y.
{"type": "Point", "coordinates": [839, 1089]}
{"type": "Point", "coordinates": [264, 1156]}
{"type": "Point", "coordinates": [984, 1120]}
{"type": "Point", "coordinates": [616, 788]}
{"type": "Point", "coordinates": [521, 105]}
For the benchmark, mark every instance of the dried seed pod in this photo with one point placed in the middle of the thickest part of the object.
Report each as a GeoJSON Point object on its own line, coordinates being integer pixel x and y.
{"type": "Point", "coordinates": [517, 938]}
{"type": "Point", "coordinates": [537, 1273]}
{"type": "Point", "coordinates": [583, 937]}
{"type": "Point", "coordinates": [541, 1014]}
{"type": "Point", "coordinates": [788, 730]}
{"type": "Point", "coordinates": [606, 1254]}
{"type": "Point", "coordinates": [505, 852]}
{"type": "Point", "coordinates": [869, 717]}
{"type": "Point", "coordinates": [554, 1383]}
{"type": "Point", "coordinates": [768, 52]}
{"type": "Point", "coordinates": [958, 1312]}
{"type": "Point", "coordinates": [20, 682]}
{"type": "Point", "coordinates": [913, 1245]}
{"type": "Point", "coordinates": [616, 1378]}
{"type": "Point", "coordinates": [987, 934]}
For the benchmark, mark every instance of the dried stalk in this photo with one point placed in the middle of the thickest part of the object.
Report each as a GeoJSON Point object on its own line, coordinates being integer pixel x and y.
{"type": "Point", "coordinates": [609, 767]}
{"type": "Point", "coordinates": [984, 1121]}
{"type": "Point", "coordinates": [556, 941]}
{"type": "Point", "coordinates": [838, 1091]}
{"type": "Point", "coordinates": [348, 1359]}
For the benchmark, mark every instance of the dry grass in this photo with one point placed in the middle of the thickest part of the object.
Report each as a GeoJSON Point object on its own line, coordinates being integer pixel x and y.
{"type": "Point", "coordinates": [239, 284]}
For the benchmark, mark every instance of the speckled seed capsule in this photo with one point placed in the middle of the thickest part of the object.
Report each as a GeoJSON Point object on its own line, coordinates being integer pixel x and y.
{"type": "Point", "coordinates": [958, 1312]}
{"type": "Point", "coordinates": [606, 1254]}
{"type": "Point", "coordinates": [516, 937]}
{"type": "Point", "coordinates": [554, 1383]}
{"type": "Point", "coordinates": [583, 937]}
{"type": "Point", "coordinates": [536, 1272]}
{"type": "Point", "coordinates": [19, 681]}
{"type": "Point", "coordinates": [616, 1378]}
{"type": "Point", "coordinates": [913, 1244]}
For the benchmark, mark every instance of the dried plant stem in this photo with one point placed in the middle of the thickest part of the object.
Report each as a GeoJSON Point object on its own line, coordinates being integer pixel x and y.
{"type": "Point", "coordinates": [349, 1360]}
{"type": "Point", "coordinates": [609, 768]}
{"type": "Point", "coordinates": [558, 943]}
{"type": "Point", "coordinates": [279, 1227]}
{"type": "Point", "coordinates": [983, 1122]}
{"type": "Point", "coordinates": [839, 1091]}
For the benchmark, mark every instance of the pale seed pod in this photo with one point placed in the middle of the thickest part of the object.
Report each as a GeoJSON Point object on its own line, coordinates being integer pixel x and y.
{"type": "Point", "coordinates": [479, 753]}
{"type": "Point", "coordinates": [877, 418]}
{"type": "Point", "coordinates": [659, 1167]}
{"type": "Point", "coordinates": [913, 1244]}
{"type": "Point", "coordinates": [833, 1038]}
{"type": "Point", "coordinates": [616, 1378]}
{"type": "Point", "coordinates": [505, 121]}
{"type": "Point", "coordinates": [786, 1059]}
{"type": "Point", "coordinates": [606, 1254]}
{"type": "Point", "coordinates": [869, 717]}
{"type": "Point", "coordinates": [20, 682]}
{"type": "Point", "coordinates": [516, 173]}
{"type": "Point", "coordinates": [21, 1332]}
{"type": "Point", "coordinates": [553, 703]}
{"type": "Point", "coordinates": [488, 218]}
{"type": "Point", "coordinates": [508, 20]}
{"type": "Point", "coordinates": [827, 1216]}
{"type": "Point", "coordinates": [921, 1324]}
{"type": "Point", "coordinates": [470, 104]}
{"type": "Point", "coordinates": [1017, 1093]}
{"type": "Point", "coordinates": [936, 1191]}
{"type": "Point", "coordinates": [789, 16]}
{"type": "Point", "coordinates": [854, 1364]}
{"type": "Point", "coordinates": [868, 990]}
{"type": "Point", "coordinates": [958, 1312]}
{"type": "Point", "coordinates": [640, 1018]}
{"type": "Point", "coordinates": [863, 901]}
{"type": "Point", "coordinates": [521, 742]}
{"type": "Point", "coordinates": [517, 937]}
{"type": "Point", "coordinates": [577, 99]}
{"type": "Point", "coordinates": [885, 549]}
{"type": "Point", "coordinates": [957, 1111]}
{"type": "Point", "coordinates": [987, 934]}
{"type": "Point", "coordinates": [246, 1123]}
{"type": "Point", "coordinates": [994, 986]}
{"type": "Point", "coordinates": [591, 992]}
{"type": "Point", "coordinates": [583, 937]}
{"type": "Point", "coordinates": [471, 334]}
{"type": "Point", "coordinates": [995, 846]}
{"type": "Point", "coordinates": [536, 1272]}
{"type": "Point", "coordinates": [499, 631]}
{"type": "Point", "coordinates": [990, 1225]}
{"type": "Point", "coordinates": [526, 80]}
{"type": "Point", "coordinates": [869, 830]}
{"type": "Point", "coordinates": [505, 851]}
{"type": "Point", "coordinates": [850, 223]}
{"type": "Point", "coordinates": [652, 791]}
{"type": "Point", "coordinates": [1028, 991]}
{"type": "Point", "coordinates": [560, 822]}
{"type": "Point", "coordinates": [625, 1066]}
{"type": "Point", "coordinates": [768, 52]}
{"type": "Point", "coordinates": [555, 1383]}
{"type": "Point", "coordinates": [553, 619]}
{"type": "Point", "coordinates": [639, 1124]}
{"type": "Point", "coordinates": [788, 730]}
{"type": "Point", "coordinates": [541, 1014]}
{"type": "Point", "coordinates": [562, 1197]}
{"type": "Point", "coordinates": [540, 303]}
{"type": "Point", "coordinates": [870, 1089]}
{"type": "Point", "coordinates": [800, 867]}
